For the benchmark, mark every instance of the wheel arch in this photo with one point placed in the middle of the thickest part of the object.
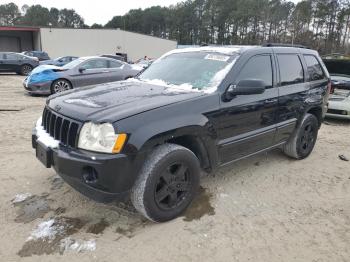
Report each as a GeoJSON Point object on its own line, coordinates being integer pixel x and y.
{"type": "Point", "coordinates": [317, 112]}
{"type": "Point", "coordinates": [190, 137]}
{"type": "Point", "coordinates": [61, 78]}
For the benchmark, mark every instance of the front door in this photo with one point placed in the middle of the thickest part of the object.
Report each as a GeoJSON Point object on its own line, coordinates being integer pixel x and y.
{"type": "Point", "coordinates": [248, 122]}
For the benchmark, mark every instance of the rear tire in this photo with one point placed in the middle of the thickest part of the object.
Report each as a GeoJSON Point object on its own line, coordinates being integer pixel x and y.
{"type": "Point", "coordinates": [26, 69]}
{"type": "Point", "coordinates": [302, 142]}
{"type": "Point", "coordinates": [167, 183]}
{"type": "Point", "coordinates": [60, 85]}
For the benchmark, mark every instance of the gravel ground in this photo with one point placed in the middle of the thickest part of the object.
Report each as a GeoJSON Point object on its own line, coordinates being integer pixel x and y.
{"type": "Point", "coordinates": [266, 208]}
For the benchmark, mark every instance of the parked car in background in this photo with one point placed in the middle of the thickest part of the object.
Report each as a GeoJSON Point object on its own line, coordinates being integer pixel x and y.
{"type": "Point", "coordinates": [339, 100]}
{"type": "Point", "coordinates": [38, 54]}
{"type": "Point", "coordinates": [123, 55]}
{"type": "Point", "coordinates": [18, 63]}
{"type": "Point", "coordinates": [60, 61]}
{"type": "Point", "coordinates": [149, 138]}
{"type": "Point", "coordinates": [144, 63]}
{"type": "Point", "coordinates": [84, 71]}
{"type": "Point", "coordinates": [116, 57]}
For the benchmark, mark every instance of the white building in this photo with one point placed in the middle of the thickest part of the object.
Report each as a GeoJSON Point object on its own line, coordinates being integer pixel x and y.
{"type": "Point", "coordinates": [83, 42]}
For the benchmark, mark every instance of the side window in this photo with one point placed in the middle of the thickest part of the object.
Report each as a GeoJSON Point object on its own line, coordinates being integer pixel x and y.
{"type": "Point", "coordinates": [114, 64]}
{"type": "Point", "coordinates": [291, 70]}
{"type": "Point", "coordinates": [65, 59]}
{"type": "Point", "coordinates": [314, 68]}
{"type": "Point", "coordinates": [13, 57]}
{"type": "Point", "coordinates": [95, 64]}
{"type": "Point", "coordinates": [258, 67]}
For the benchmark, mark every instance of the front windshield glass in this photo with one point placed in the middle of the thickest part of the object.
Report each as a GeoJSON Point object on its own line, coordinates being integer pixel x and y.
{"type": "Point", "coordinates": [73, 64]}
{"type": "Point", "coordinates": [198, 70]}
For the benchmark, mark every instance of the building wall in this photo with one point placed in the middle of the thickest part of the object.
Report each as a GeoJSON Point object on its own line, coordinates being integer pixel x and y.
{"type": "Point", "coordinates": [16, 41]}
{"type": "Point", "coordinates": [85, 42]}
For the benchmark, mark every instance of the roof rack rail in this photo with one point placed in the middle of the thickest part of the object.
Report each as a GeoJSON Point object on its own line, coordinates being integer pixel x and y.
{"type": "Point", "coordinates": [284, 45]}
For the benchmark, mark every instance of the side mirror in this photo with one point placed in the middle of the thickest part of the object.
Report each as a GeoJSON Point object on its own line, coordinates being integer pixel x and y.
{"type": "Point", "coordinates": [81, 69]}
{"type": "Point", "coordinates": [245, 87]}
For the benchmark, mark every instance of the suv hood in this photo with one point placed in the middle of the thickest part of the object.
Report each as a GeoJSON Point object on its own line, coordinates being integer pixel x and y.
{"type": "Point", "coordinates": [114, 101]}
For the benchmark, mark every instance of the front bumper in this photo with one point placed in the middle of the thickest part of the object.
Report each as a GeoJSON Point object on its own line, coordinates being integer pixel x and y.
{"type": "Point", "coordinates": [101, 177]}
{"type": "Point", "coordinates": [42, 88]}
{"type": "Point", "coordinates": [339, 109]}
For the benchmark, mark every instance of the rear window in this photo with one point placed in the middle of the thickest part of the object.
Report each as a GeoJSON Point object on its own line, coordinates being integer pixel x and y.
{"type": "Point", "coordinates": [314, 68]}
{"type": "Point", "coordinates": [291, 70]}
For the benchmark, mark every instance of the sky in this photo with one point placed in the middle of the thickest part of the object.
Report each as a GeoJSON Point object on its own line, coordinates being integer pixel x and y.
{"type": "Point", "coordinates": [100, 11]}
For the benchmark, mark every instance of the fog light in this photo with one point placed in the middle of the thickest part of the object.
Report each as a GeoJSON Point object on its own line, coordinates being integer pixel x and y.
{"type": "Point", "coordinates": [90, 175]}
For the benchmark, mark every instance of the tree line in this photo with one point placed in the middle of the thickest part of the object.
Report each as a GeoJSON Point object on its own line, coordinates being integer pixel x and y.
{"type": "Point", "coordinates": [321, 24]}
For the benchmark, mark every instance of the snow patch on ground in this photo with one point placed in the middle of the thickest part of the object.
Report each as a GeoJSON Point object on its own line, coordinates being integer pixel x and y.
{"type": "Point", "coordinates": [21, 197]}
{"type": "Point", "coordinates": [69, 244]}
{"type": "Point", "coordinates": [46, 230]}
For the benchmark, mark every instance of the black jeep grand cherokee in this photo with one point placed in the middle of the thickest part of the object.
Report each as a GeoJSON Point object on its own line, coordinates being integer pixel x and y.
{"type": "Point", "coordinates": [149, 137]}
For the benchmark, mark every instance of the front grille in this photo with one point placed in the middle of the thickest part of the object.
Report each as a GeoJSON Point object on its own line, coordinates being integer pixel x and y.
{"type": "Point", "coordinates": [61, 128]}
{"type": "Point", "coordinates": [336, 112]}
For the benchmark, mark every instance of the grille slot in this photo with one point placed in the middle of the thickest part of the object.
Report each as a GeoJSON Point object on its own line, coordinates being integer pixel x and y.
{"type": "Point", "coordinates": [61, 128]}
{"type": "Point", "coordinates": [336, 112]}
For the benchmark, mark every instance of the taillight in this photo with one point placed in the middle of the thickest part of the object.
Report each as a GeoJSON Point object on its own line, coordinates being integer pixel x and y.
{"type": "Point", "coordinates": [330, 89]}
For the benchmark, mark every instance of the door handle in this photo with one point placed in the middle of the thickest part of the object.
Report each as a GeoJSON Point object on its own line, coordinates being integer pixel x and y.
{"type": "Point", "coordinates": [270, 101]}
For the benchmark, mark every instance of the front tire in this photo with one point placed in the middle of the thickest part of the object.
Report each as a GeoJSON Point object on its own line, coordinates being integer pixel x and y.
{"type": "Point", "coordinates": [167, 183]}
{"type": "Point", "coordinates": [302, 142]}
{"type": "Point", "coordinates": [26, 69]}
{"type": "Point", "coordinates": [60, 85]}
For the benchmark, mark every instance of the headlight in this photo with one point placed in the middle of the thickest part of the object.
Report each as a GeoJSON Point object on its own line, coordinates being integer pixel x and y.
{"type": "Point", "coordinates": [100, 138]}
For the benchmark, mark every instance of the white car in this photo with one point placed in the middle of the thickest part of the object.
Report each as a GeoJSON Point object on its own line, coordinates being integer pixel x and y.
{"type": "Point", "coordinates": [339, 100]}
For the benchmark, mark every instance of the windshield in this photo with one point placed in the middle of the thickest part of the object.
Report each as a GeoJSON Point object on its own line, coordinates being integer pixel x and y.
{"type": "Point", "coordinates": [73, 64]}
{"type": "Point", "coordinates": [199, 70]}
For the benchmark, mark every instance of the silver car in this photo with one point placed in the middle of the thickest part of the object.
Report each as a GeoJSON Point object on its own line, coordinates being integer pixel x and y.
{"type": "Point", "coordinates": [84, 71]}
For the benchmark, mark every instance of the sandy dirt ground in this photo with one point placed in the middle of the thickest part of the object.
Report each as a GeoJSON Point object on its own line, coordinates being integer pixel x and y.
{"type": "Point", "coordinates": [266, 208]}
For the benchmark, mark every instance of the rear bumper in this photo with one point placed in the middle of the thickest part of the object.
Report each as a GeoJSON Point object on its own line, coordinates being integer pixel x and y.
{"type": "Point", "coordinates": [101, 177]}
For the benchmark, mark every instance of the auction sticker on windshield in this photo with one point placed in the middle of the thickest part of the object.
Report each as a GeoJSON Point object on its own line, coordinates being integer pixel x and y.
{"type": "Point", "coordinates": [223, 58]}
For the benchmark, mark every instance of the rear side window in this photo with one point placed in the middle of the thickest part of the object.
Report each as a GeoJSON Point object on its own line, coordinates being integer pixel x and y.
{"type": "Point", "coordinates": [95, 64]}
{"type": "Point", "coordinates": [257, 67]}
{"type": "Point", "coordinates": [291, 70]}
{"type": "Point", "coordinates": [314, 68]}
{"type": "Point", "coordinates": [114, 64]}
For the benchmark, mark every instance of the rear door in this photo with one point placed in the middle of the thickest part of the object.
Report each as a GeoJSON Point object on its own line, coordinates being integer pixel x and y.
{"type": "Point", "coordinates": [293, 90]}
{"type": "Point", "coordinates": [116, 71]}
{"type": "Point", "coordinates": [94, 71]}
{"type": "Point", "coordinates": [247, 122]}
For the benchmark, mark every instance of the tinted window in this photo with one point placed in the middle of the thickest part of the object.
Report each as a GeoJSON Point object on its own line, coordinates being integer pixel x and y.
{"type": "Point", "coordinates": [258, 67]}
{"type": "Point", "coordinates": [291, 70]}
{"type": "Point", "coordinates": [314, 68]}
{"type": "Point", "coordinates": [114, 64]}
{"type": "Point", "coordinates": [94, 64]}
